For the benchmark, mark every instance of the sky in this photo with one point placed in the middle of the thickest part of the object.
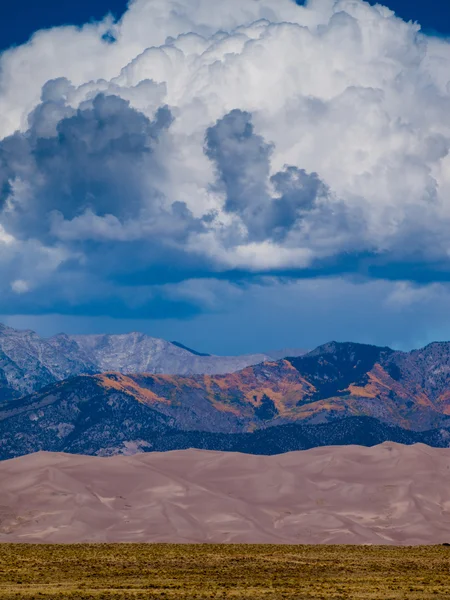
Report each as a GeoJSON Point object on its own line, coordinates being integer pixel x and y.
{"type": "Point", "coordinates": [239, 176]}
{"type": "Point", "coordinates": [20, 19]}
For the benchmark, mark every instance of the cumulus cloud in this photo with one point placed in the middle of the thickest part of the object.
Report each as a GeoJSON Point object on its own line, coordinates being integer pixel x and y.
{"type": "Point", "coordinates": [93, 159]}
{"type": "Point", "coordinates": [243, 164]}
{"type": "Point", "coordinates": [221, 140]}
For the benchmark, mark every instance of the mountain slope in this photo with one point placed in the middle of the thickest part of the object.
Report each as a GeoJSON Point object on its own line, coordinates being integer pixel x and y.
{"type": "Point", "coordinates": [318, 398]}
{"type": "Point", "coordinates": [334, 381]}
{"type": "Point", "coordinates": [140, 353]}
{"type": "Point", "coordinates": [29, 362]}
{"type": "Point", "coordinates": [80, 416]}
{"type": "Point", "coordinates": [339, 393]}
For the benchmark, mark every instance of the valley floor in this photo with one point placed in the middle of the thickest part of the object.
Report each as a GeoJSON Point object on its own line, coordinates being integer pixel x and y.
{"type": "Point", "coordinates": [138, 571]}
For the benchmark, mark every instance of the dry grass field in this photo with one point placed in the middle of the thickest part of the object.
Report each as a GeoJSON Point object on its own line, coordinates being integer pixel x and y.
{"type": "Point", "coordinates": [138, 571]}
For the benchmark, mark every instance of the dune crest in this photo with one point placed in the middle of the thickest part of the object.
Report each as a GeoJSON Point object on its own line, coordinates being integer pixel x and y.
{"type": "Point", "coordinates": [388, 494]}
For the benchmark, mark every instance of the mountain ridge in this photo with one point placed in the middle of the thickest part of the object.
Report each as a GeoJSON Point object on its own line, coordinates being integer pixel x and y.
{"type": "Point", "coordinates": [406, 396]}
{"type": "Point", "coordinates": [341, 392]}
{"type": "Point", "coordinates": [29, 362]}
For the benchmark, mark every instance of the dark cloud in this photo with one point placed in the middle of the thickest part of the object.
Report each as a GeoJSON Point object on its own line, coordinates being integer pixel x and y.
{"type": "Point", "coordinates": [100, 159]}
{"type": "Point", "coordinates": [89, 177]}
{"type": "Point", "coordinates": [85, 185]}
{"type": "Point", "coordinates": [79, 190]}
{"type": "Point", "coordinates": [298, 191]}
{"type": "Point", "coordinates": [242, 160]}
{"type": "Point", "coordinates": [97, 298]}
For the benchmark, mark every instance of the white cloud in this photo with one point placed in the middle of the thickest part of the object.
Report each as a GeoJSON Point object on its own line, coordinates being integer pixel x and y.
{"type": "Point", "coordinates": [339, 88]}
{"type": "Point", "coordinates": [404, 294]}
{"type": "Point", "coordinates": [5, 238]}
{"type": "Point", "coordinates": [20, 286]}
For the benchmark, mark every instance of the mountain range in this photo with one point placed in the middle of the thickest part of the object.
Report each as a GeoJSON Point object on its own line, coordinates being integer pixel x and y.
{"type": "Point", "coordinates": [29, 362]}
{"type": "Point", "coordinates": [339, 393]}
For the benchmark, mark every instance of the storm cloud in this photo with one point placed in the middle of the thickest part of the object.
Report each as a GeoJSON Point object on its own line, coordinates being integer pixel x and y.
{"type": "Point", "coordinates": [228, 142]}
{"type": "Point", "coordinates": [243, 162]}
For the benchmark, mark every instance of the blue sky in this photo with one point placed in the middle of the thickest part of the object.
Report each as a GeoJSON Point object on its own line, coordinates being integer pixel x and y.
{"type": "Point", "coordinates": [278, 185]}
{"type": "Point", "coordinates": [20, 19]}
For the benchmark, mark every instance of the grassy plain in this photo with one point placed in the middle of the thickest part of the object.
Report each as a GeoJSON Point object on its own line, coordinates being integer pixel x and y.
{"type": "Point", "coordinates": [175, 572]}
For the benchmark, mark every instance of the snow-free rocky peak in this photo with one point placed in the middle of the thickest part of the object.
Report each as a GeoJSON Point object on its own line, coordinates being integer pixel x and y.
{"type": "Point", "coordinates": [29, 362]}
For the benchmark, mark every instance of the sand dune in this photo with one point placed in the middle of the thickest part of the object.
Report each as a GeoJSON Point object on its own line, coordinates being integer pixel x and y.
{"type": "Point", "coordinates": [390, 494]}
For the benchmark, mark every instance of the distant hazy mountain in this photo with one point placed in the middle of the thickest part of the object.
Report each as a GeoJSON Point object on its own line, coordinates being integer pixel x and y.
{"type": "Point", "coordinates": [140, 353]}
{"type": "Point", "coordinates": [339, 393]}
{"type": "Point", "coordinates": [286, 353]}
{"type": "Point", "coordinates": [180, 345]}
{"type": "Point", "coordinates": [29, 362]}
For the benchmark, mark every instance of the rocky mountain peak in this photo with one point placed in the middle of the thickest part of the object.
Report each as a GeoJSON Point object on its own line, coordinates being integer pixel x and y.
{"type": "Point", "coordinates": [29, 362]}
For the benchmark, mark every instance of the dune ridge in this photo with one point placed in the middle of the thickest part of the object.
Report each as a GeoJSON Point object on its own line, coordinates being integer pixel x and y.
{"type": "Point", "coordinates": [387, 494]}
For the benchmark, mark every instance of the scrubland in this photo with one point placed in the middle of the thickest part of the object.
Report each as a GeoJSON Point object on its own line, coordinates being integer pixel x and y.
{"type": "Point", "coordinates": [166, 572]}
